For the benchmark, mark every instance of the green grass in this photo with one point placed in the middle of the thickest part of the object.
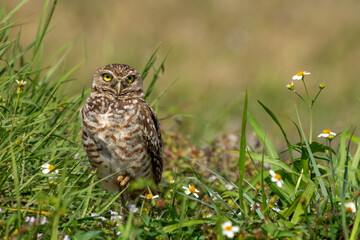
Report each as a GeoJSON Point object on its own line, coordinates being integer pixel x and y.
{"type": "Point", "coordinates": [39, 125]}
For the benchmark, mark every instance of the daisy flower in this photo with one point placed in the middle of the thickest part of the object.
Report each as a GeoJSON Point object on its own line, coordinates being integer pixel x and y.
{"type": "Point", "coordinates": [350, 207]}
{"type": "Point", "coordinates": [46, 168]}
{"type": "Point", "coordinates": [191, 189]}
{"type": "Point", "coordinates": [300, 75]}
{"type": "Point", "coordinates": [149, 196]}
{"type": "Point", "coordinates": [276, 178]}
{"type": "Point", "coordinates": [228, 229]}
{"type": "Point", "coordinates": [327, 133]}
{"type": "Point", "coordinates": [21, 82]}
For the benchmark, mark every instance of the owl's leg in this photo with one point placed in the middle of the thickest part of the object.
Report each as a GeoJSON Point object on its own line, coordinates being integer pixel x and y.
{"type": "Point", "coordinates": [124, 180]}
{"type": "Point", "coordinates": [124, 198]}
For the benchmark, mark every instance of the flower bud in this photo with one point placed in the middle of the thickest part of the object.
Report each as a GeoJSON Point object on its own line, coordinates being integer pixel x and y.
{"type": "Point", "coordinates": [290, 86]}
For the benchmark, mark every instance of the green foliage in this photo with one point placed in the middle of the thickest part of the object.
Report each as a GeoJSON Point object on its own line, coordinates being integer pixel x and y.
{"type": "Point", "coordinates": [306, 199]}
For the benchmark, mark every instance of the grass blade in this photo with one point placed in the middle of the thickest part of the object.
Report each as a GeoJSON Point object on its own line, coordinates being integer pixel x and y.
{"type": "Point", "coordinates": [242, 152]}
{"type": "Point", "coordinates": [261, 135]}
{"type": "Point", "coordinates": [150, 62]}
{"type": "Point", "coordinates": [155, 76]}
{"type": "Point", "coordinates": [272, 115]}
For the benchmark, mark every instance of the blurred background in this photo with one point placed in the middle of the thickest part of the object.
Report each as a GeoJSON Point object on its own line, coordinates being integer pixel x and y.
{"type": "Point", "coordinates": [218, 50]}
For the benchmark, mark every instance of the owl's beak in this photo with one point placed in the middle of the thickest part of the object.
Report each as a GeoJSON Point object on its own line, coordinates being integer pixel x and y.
{"type": "Point", "coordinates": [119, 87]}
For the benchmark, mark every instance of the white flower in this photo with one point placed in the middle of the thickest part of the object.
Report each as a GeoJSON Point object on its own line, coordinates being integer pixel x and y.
{"type": "Point", "coordinates": [0, 210]}
{"type": "Point", "coordinates": [114, 216]}
{"type": "Point", "coordinates": [191, 189]}
{"type": "Point", "coordinates": [76, 156]}
{"type": "Point", "coordinates": [276, 209]}
{"type": "Point", "coordinates": [66, 237]}
{"type": "Point", "coordinates": [113, 212]}
{"type": "Point", "coordinates": [46, 168]}
{"type": "Point", "coordinates": [254, 206]}
{"type": "Point", "coordinates": [350, 207]}
{"type": "Point", "coordinates": [213, 177]}
{"type": "Point", "coordinates": [39, 236]}
{"type": "Point", "coordinates": [172, 181]}
{"type": "Point", "coordinates": [276, 178]}
{"type": "Point", "coordinates": [300, 75]}
{"type": "Point", "coordinates": [43, 220]}
{"type": "Point", "coordinates": [21, 82]}
{"type": "Point", "coordinates": [149, 196]}
{"type": "Point", "coordinates": [118, 233]}
{"type": "Point", "coordinates": [54, 173]}
{"type": "Point", "coordinates": [239, 213]}
{"type": "Point", "coordinates": [94, 214]}
{"type": "Point", "coordinates": [327, 133]}
{"type": "Point", "coordinates": [215, 196]}
{"type": "Point", "coordinates": [229, 187]}
{"type": "Point", "coordinates": [30, 220]}
{"type": "Point", "coordinates": [228, 229]}
{"type": "Point", "coordinates": [97, 215]}
{"type": "Point", "coordinates": [132, 208]}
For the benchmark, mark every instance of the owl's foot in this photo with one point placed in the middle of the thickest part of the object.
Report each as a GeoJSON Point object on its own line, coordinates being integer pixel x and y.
{"type": "Point", "coordinates": [124, 180]}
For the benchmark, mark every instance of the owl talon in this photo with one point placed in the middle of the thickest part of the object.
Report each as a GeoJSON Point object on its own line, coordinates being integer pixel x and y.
{"type": "Point", "coordinates": [124, 180]}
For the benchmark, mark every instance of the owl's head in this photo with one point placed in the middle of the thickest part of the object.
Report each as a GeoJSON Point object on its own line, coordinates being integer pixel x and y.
{"type": "Point", "coordinates": [118, 80]}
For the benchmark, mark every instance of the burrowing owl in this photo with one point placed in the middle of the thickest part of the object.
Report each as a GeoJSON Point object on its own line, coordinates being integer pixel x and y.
{"type": "Point", "coordinates": [121, 132]}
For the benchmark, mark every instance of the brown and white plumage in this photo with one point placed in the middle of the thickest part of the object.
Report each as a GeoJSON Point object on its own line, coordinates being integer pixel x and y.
{"type": "Point", "coordinates": [120, 130]}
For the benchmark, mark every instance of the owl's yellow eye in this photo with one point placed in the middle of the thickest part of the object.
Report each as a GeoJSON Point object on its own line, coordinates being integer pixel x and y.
{"type": "Point", "coordinates": [130, 78]}
{"type": "Point", "coordinates": [107, 77]}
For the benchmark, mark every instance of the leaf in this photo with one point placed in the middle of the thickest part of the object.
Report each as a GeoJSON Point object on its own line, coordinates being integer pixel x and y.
{"type": "Point", "coordinates": [354, 166]}
{"type": "Point", "coordinates": [342, 153]}
{"type": "Point", "coordinates": [270, 228]}
{"type": "Point", "coordinates": [80, 235]}
{"type": "Point", "coordinates": [302, 203]}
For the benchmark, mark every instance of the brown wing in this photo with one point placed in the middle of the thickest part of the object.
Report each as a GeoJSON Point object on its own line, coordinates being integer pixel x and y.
{"type": "Point", "coordinates": [153, 141]}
